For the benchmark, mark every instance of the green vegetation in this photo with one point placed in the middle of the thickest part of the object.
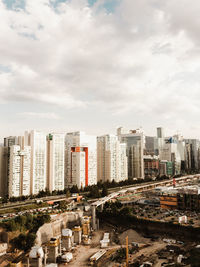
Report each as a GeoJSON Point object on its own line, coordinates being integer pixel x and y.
{"type": "Point", "coordinates": [24, 241]}
{"type": "Point", "coordinates": [104, 191]}
{"type": "Point", "coordinates": [74, 189]}
{"type": "Point", "coordinates": [28, 225]}
{"type": "Point", "coordinates": [63, 205]}
{"type": "Point", "coordinates": [94, 192]}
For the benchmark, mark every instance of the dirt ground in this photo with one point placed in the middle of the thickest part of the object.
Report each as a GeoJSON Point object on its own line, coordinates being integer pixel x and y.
{"type": "Point", "coordinates": [156, 246]}
{"type": "Point", "coordinates": [133, 236]}
{"type": "Point", "coordinates": [83, 253]}
{"type": "Point", "coordinates": [159, 263]}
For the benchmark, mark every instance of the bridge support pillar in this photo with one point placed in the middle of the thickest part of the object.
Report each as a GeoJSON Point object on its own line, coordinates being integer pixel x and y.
{"type": "Point", "coordinates": [101, 207]}
{"type": "Point", "coordinates": [94, 217]}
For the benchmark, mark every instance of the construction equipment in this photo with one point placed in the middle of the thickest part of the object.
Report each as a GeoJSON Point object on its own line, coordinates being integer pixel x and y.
{"type": "Point", "coordinates": [127, 251]}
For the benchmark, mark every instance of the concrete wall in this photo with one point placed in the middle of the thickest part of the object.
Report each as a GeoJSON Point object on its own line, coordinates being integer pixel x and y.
{"type": "Point", "coordinates": [54, 228]}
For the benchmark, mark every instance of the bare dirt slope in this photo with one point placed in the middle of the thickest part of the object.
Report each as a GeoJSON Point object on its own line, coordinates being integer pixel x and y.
{"type": "Point", "coordinates": [133, 236]}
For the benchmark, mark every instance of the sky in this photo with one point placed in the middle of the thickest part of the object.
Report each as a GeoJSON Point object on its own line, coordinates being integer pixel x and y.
{"type": "Point", "coordinates": [95, 65]}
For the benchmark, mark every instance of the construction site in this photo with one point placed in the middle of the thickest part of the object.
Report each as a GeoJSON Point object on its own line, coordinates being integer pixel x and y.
{"type": "Point", "coordinates": [157, 226]}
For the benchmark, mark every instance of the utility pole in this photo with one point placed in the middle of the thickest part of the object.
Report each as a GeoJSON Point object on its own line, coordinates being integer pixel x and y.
{"type": "Point", "coordinates": [127, 251]}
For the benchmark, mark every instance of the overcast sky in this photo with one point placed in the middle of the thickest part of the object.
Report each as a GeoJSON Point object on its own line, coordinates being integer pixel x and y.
{"type": "Point", "coordinates": [96, 65]}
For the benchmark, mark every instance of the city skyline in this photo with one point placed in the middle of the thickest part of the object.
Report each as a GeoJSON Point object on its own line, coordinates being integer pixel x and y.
{"type": "Point", "coordinates": [69, 63]}
{"type": "Point", "coordinates": [153, 132]}
{"type": "Point", "coordinates": [100, 133]}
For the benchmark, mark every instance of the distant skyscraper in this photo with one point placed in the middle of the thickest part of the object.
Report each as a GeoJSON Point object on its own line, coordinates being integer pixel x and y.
{"type": "Point", "coordinates": [151, 145]}
{"type": "Point", "coordinates": [194, 150]}
{"type": "Point", "coordinates": [55, 162]}
{"type": "Point", "coordinates": [19, 171]}
{"type": "Point", "coordinates": [160, 132]}
{"type": "Point", "coordinates": [37, 141]}
{"type": "Point", "coordinates": [135, 142]}
{"type": "Point", "coordinates": [160, 139]}
{"type": "Point", "coordinates": [111, 159]}
{"type": "Point", "coordinates": [170, 152]}
{"type": "Point", "coordinates": [81, 161]}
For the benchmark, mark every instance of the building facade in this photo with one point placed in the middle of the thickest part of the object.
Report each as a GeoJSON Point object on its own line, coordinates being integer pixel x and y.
{"type": "Point", "coordinates": [111, 159]}
{"type": "Point", "coordinates": [171, 153]}
{"type": "Point", "coordinates": [151, 166]}
{"type": "Point", "coordinates": [37, 141]}
{"type": "Point", "coordinates": [80, 159]}
{"type": "Point", "coordinates": [55, 162]}
{"type": "Point", "coordinates": [10, 141]}
{"type": "Point", "coordinates": [3, 171]}
{"type": "Point", "coordinates": [135, 144]}
{"type": "Point", "coordinates": [19, 171]}
{"type": "Point", "coordinates": [194, 145]}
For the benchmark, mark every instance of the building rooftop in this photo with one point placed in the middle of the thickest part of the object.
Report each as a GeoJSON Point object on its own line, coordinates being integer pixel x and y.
{"type": "Point", "coordinates": [36, 252]}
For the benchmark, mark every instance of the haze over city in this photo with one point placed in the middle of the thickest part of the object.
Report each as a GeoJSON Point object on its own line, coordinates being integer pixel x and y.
{"type": "Point", "coordinates": [96, 65]}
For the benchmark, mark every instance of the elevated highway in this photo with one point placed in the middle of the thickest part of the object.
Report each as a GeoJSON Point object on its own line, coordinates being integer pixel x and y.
{"type": "Point", "coordinates": [137, 189]}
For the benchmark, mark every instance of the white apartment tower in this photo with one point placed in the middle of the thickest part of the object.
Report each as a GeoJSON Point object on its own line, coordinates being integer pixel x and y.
{"type": "Point", "coordinates": [19, 171]}
{"type": "Point", "coordinates": [123, 162]}
{"type": "Point", "coordinates": [81, 161]}
{"type": "Point", "coordinates": [55, 161]}
{"type": "Point", "coordinates": [38, 143]}
{"type": "Point", "coordinates": [111, 159]}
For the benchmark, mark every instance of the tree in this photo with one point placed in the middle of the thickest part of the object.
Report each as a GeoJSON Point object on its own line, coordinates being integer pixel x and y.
{"type": "Point", "coordinates": [104, 191]}
{"type": "Point", "coordinates": [21, 221]}
{"type": "Point", "coordinates": [24, 242]}
{"type": "Point", "coordinates": [74, 189]}
{"type": "Point", "coordinates": [113, 183]}
{"type": "Point", "coordinates": [5, 199]}
{"type": "Point", "coordinates": [30, 240]}
{"type": "Point", "coordinates": [10, 226]}
{"type": "Point", "coordinates": [68, 193]}
{"type": "Point", "coordinates": [29, 221]}
{"type": "Point", "coordinates": [118, 204]}
{"type": "Point", "coordinates": [94, 192]}
{"type": "Point", "coordinates": [125, 211]}
{"type": "Point", "coordinates": [62, 205]}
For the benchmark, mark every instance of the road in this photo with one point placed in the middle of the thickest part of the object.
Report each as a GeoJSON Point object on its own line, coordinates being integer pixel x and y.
{"type": "Point", "coordinates": [110, 190]}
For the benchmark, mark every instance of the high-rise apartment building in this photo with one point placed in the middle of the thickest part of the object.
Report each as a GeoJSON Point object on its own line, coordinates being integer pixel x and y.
{"type": "Point", "coordinates": [3, 171]}
{"type": "Point", "coordinates": [194, 145]}
{"type": "Point", "coordinates": [37, 141]}
{"type": "Point", "coordinates": [19, 171]}
{"type": "Point", "coordinates": [10, 141]}
{"type": "Point", "coordinates": [123, 162]}
{"type": "Point", "coordinates": [160, 132]}
{"type": "Point", "coordinates": [111, 159]}
{"type": "Point", "coordinates": [81, 160]}
{"type": "Point", "coordinates": [170, 152]}
{"type": "Point", "coordinates": [151, 145]}
{"type": "Point", "coordinates": [55, 161]}
{"type": "Point", "coordinates": [135, 143]}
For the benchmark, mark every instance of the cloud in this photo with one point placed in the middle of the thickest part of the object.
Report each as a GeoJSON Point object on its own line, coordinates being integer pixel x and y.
{"type": "Point", "coordinates": [35, 115]}
{"type": "Point", "coordinates": [131, 59]}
